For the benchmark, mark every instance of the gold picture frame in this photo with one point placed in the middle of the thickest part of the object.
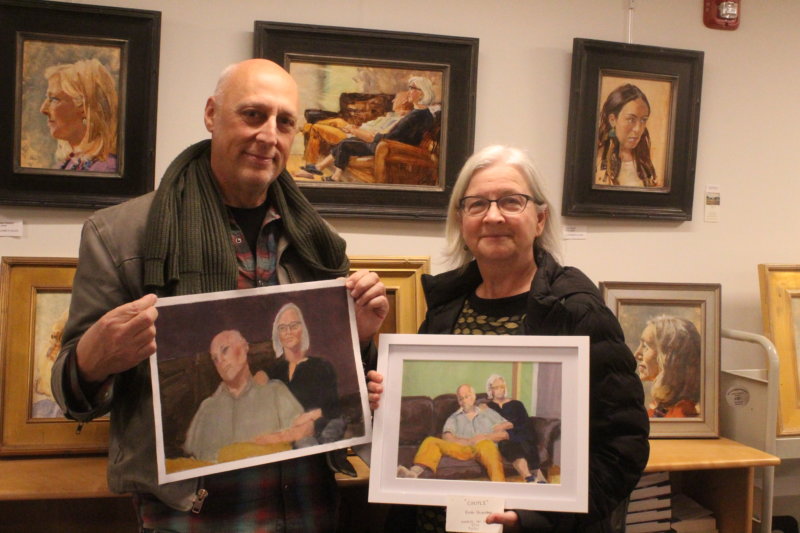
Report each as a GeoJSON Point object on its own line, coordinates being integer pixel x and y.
{"type": "Point", "coordinates": [402, 277]}
{"type": "Point", "coordinates": [780, 313]}
{"type": "Point", "coordinates": [34, 293]}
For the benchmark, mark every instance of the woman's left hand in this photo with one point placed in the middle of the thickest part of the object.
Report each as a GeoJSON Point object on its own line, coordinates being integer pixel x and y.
{"type": "Point", "coordinates": [509, 519]}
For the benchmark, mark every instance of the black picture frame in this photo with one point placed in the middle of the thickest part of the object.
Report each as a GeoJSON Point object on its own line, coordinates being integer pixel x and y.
{"type": "Point", "coordinates": [676, 76]}
{"type": "Point", "coordinates": [69, 30]}
{"type": "Point", "coordinates": [455, 57]}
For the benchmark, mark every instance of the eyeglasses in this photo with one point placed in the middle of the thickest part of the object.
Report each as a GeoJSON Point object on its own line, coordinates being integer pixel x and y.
{"type": "Point", "coordinates": [291, 326]}
{"type": "Point", "coordinates": [511, 204]}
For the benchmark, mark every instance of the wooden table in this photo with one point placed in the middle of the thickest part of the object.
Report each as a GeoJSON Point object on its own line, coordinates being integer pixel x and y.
{"type": "Point", "coordinates": [717, 473]}
{"type": "Point", "coordinates": [85, 477]}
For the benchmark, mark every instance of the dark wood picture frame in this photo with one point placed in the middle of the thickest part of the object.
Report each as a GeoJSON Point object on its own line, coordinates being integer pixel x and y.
{"type": "Point", "coordinates": [71, 31]}
{"type": "Point", "coordinates": [677, 111]}
{"type": "Point", "coordinates": [456, 58]}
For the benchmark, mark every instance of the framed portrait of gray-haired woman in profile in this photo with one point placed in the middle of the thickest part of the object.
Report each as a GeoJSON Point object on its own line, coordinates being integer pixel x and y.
{"type": "Point", "coordinates": [673, 331]}
{"type": "Point", "coordinates": [81, 103]}
{"type": "Point", "coordinates": [632, 132]}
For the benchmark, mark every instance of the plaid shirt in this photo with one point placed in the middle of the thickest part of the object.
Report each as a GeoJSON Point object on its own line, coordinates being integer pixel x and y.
{"type": "Point", "coordinates": [295, 496]}
{"type": "Point", "coordinates": [258, 270]}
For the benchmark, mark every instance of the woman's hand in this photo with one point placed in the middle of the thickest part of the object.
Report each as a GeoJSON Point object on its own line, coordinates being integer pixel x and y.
{"type": "Point", "coordinates": [374, 388]}
{"type": "Point", "coordinates": [509, 519]}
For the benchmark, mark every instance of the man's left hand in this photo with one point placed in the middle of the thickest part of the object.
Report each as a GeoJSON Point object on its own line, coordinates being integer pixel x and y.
{"type": "Point", "coordinates": [372, 306]}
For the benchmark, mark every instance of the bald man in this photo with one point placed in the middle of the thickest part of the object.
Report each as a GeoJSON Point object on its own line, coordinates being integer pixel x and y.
{"type": "Point", "coordinates": [241, 410]}
{"type": "Point", "coordinates": [226, 215]}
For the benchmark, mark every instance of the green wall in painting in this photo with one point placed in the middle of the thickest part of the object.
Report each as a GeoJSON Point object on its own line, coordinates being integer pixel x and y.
{"type": "Point", "coordinates": [431, 378]}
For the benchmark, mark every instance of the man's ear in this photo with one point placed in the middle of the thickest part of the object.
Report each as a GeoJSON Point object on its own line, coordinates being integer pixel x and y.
{"type": "Point", "coordinates": [210, 114]}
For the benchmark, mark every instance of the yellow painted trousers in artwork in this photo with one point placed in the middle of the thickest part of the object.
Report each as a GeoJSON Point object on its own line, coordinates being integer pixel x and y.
{"type": "Point", "coordinates": [321, 135]}
{"type": "Point", "coordinates": [485, 452]}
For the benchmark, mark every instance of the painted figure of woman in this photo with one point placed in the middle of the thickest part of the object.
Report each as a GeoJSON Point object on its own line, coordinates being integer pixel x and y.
{"type": "Point", "coordinates": [81, 110]}
{"type": "Point", "coordinates": [623, 142]}
{"type": "Point", "coordinates": [669, 356]}
{"type": "Point", "coordinates": [410, 129]}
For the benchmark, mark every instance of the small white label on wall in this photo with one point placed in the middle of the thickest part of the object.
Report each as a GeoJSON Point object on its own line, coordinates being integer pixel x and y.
{"type": "Point", "coordinates": [574, 233]}
{"type": "Point", "coordinates": [712, 203]}
{"type": "Point", "coordinates": [10, 228]}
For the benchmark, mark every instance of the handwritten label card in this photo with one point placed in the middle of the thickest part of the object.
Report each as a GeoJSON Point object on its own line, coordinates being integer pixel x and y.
{"type": "Point", "coordinates": [467, 514]}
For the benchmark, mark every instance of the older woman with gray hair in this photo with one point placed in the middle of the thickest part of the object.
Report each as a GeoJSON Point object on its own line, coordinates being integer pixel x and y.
{"type": "Point", "coordinates": [669, 356]}
{"type": "Point", "coordinates": [311, 379]}
{"type": "Point", "coordinates": [502, 238]}
{"type": "Point", "coordinates": [521, 448]}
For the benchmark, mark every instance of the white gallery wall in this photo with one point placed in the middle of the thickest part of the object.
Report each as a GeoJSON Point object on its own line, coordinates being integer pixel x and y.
{"type": "Point", "coordinates": [747, 140]}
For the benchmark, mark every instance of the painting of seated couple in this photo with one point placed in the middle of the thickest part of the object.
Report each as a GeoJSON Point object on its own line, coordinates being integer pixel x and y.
{"type": "Point", "coordinates": [364, 125]}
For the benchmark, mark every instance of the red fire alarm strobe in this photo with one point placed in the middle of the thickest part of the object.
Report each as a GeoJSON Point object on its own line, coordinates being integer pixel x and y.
{"type": "Point", "coordinates": [722, 14]}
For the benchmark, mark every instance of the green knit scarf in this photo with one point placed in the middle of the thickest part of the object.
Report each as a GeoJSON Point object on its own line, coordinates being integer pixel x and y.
{"type": "Point", "coordinates": [188, 248]}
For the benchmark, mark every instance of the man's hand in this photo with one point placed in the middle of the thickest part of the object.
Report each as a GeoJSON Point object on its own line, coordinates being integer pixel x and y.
{"type": "Point", "coordinates": [121, 339]}
{"type": "Point", "coordinates": [375, 389]}
{"type": "Point", "coordinates": [372, 306]}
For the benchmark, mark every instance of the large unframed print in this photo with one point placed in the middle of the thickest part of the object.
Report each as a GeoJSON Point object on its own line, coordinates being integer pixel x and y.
{"type": "Point", "coordinates": [256, 376]}
{"type": "Point", "coordinates": [430, 379]}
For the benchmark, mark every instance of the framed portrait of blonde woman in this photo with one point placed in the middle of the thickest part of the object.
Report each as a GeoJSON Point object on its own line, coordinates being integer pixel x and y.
{"type": "Point", "coordinates": [673, 331]}
{"type": "Point", "coordinates": [35, 295]}
{"type": "Point", "coordinates": [632, 132]}
{"type": "Point", "coordinates": [780, 313]}
{"type": "Point", "coordinates": [81, 103]}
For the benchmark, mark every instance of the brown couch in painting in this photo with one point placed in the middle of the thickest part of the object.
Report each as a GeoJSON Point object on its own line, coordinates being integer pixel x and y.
{"type": "Point", "coordinates": [396, 163]}
{"type": "Point", "coordinates": [421, 416]}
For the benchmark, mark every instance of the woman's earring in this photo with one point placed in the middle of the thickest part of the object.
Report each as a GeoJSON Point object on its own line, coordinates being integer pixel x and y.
{"type": "Point", "coordinates": [612, 133]}
{"type": "Point", "coordinates": [83, 121]}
